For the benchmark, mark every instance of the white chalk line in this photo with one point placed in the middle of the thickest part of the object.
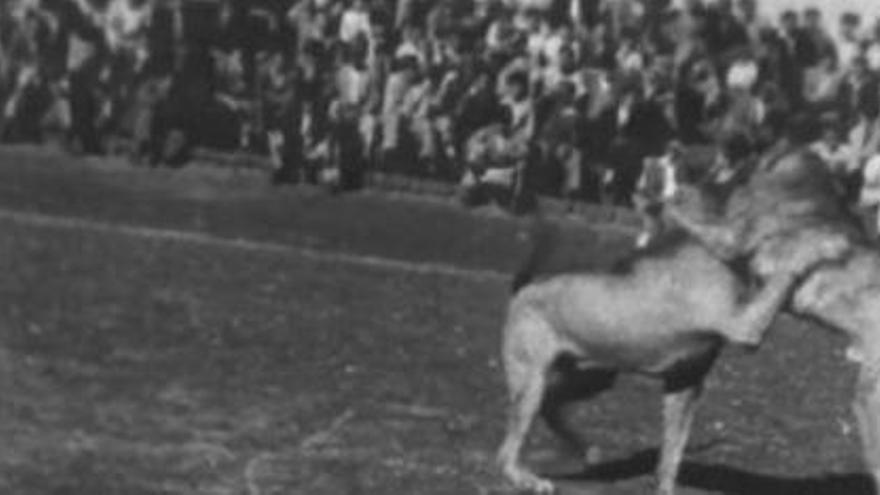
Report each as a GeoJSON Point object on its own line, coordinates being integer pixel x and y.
{"type": "Point", "coordinates": [69, 223]}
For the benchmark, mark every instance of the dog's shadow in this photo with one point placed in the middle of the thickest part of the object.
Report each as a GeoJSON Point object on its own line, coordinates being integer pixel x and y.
{"type": "Point", "coordinates": [728, 480]}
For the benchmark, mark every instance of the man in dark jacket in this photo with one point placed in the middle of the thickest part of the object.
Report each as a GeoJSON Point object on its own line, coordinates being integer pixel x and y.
{"type": "Point", "coordinates": [860, 88]}
{"type": "Point", "coordinates": [800, 53]}
{"type": "Point", "coordinates": [628, 133]}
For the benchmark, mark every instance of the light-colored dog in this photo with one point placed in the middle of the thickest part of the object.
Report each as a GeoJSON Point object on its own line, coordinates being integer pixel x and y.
{"type": "Point", "coordinates": [666, 315]}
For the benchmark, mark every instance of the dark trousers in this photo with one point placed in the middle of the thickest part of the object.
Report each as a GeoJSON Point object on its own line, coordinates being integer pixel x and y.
{"type": "Point", "coordinates": [349, 151]}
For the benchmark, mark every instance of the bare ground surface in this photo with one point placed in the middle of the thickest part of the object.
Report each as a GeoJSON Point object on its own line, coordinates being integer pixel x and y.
{"type": "Point", "coordinates": [134, 364]}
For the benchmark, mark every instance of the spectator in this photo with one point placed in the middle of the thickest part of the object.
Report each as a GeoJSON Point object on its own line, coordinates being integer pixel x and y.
{"type": "Point", "coordinates": [724, 32]}
{"type": "Point", "coordinates": [84, 104]}
{"type": "Point", "coordinates": [561, 91]}
{"type": "Point", "coordinates": [849, 46]}
{"type": "Point", "coordinates": [698, 90]}
{"type": "Point", "coordinates": [353, 81]}
{"type": "Point", "coordinates": [860, 89]}
{"type": "Point", "coordinates": [834, 150]}
{"type": "Point", "coordinates": [799, 54]}
{"type": "Point", "coordinates": [746, 12]}
{"type": "Point", "coordinates": [355, 23]}
{"type": "Point", "coordinates": [396, 89]}
{"type": "Point", "coordinates": [559, 146]}
{"type": "Point", "coordinates": [657, 184]}
{"type": "Point", "coordinates": [822, 85]}
{"type": "Point", "coordinates": [872, 52]}
{"type": "Point", "coordinates": [734, 162]}
{"type": "Point", "coordinates": [869, 199]}
{"type": "Point", "coordinates": [277, 89]}
{"type": "Point", "coordinates": [864, 138]}
{"type": "Point", "coordinates": [820, 39]}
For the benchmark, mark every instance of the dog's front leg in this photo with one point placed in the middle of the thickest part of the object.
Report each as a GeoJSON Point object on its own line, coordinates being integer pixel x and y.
{"type": "Point", "coordinates": [678, 416]}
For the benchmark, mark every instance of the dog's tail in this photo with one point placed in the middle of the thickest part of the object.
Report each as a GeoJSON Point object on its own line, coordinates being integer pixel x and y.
{"type": "Point", "coordinates": [543, 236]}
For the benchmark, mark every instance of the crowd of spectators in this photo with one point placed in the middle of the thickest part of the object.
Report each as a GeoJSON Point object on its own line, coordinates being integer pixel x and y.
{"type": "Point", "coordinates": [585, 99]}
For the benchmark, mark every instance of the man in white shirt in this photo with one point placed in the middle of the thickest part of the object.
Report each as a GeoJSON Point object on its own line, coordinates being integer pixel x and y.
{"type": "Point", "coordinates": [355, 22]}
{"type": "Point", "coordinates": [743, 73]}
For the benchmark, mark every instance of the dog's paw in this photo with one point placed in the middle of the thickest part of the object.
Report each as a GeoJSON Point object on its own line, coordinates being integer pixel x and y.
{"type": "Point", "coordinates": [529, 482]}
{"type": "Point", "coordinates": [592, 456]}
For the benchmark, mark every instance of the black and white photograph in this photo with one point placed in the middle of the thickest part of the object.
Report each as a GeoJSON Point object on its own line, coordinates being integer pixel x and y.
{"type": "Point", "coordinates": [439, 247]}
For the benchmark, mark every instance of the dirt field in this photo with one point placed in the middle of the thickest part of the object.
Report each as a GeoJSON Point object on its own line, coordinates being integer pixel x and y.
{"type": "Point", "coordinates": [196, 332]}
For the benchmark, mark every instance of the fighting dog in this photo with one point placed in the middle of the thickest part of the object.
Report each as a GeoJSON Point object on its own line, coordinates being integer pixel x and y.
{"type": "Point", "coordinates": [667, 313]}
{"type": "Point", "coordinates": [783, 211]}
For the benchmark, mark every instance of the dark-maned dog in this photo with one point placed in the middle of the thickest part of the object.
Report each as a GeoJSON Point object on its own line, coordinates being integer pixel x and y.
{"type": "Point", "coordinates": [786, 210]}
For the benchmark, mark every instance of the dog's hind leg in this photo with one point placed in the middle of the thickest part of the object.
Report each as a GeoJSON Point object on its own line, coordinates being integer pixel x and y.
{"type": "Point", "coordinates": [678, 416]}
{"type": "Point", "coordinates": [530, 347]}
{"type": "Point", "coordinates": [867, 413]}
{"type": "Point", "coordinates": [570, 385]}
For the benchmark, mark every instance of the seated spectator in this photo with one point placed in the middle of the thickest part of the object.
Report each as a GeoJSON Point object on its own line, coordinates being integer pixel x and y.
{"type": "Point", "coordinates": [478, 107]}
{"type": "Point", "coordinates": [517, 102]}
{"type": "Point", "coordinates": [496, 155]}
{"type": "Point", "coordinates": [430, 121]}
{"type": "Point", "coordinates": [494, 167]}
{"type": "Point", "coordinates": [834, 150]}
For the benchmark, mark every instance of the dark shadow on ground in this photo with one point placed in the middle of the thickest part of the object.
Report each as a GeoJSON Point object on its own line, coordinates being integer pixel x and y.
{"type": "Point", "coordinates": [728, 480]}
